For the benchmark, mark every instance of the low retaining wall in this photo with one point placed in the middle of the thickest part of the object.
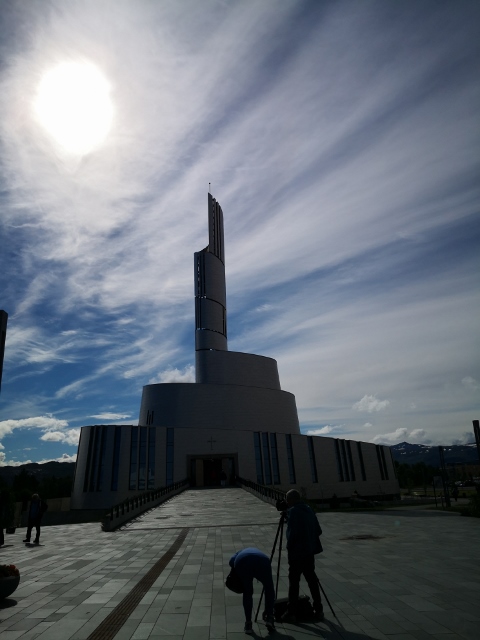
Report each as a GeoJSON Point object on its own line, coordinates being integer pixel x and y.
{"type": "Point", "coordinates": [55, 517]}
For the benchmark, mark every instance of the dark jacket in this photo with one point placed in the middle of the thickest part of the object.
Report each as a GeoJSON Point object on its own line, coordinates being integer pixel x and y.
{"type": "Point", "coordinates": [37, 509]}
{"type": "Point", "coordinates": [303, 532]}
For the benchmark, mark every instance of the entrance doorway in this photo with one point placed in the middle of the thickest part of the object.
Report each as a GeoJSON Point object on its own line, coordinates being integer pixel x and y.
{"type": "Point", "coordinates": [211, 472]}
{"type": "Point", "coordinates": [206, 471]}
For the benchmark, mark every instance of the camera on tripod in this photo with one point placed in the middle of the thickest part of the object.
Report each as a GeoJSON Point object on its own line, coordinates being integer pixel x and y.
{"type": "Point", "coordinates": [281, 505]}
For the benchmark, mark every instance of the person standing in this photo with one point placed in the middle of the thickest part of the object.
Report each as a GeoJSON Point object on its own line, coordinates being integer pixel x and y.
{"type": "Point", "coordinates": [252, 563]}
{"type": "Point", "coordinates": [223, 478]}
{"type": "Point", "coordinates": [7, 509]}
{"type": "Point", "coordinates": [35, 514]}
{"type": "Point", "coordinates": [303, 543]}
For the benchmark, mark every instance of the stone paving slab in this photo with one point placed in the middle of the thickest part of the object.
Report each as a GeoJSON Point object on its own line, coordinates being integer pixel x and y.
{"type": "Point", "coordinates": [417, 577]}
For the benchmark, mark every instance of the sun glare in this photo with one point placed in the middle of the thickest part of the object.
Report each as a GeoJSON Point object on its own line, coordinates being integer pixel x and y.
{"type": "Point", "coordinates": [74, 106]}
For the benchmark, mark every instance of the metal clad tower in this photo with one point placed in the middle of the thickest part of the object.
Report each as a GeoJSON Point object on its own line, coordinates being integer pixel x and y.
{"type": "Point", "coordinates": [210, 292]}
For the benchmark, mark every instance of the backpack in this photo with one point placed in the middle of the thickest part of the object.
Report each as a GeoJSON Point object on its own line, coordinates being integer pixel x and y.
{"type": "Point", "coordinates": [305, 611]}
{"type": "Point", "coordinates": [233, 582]}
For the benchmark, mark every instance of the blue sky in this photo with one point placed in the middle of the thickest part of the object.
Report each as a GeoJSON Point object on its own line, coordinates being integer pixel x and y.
{"type": "Point", "coordinates": [342, 141]}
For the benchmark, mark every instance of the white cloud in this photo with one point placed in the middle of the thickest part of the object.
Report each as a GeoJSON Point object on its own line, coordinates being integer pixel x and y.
{"type": "Point", "coordinates": [370, 404]}
{"type": "Point", "coordinates": [10, 463]}
{"type": "Point", "coordinates": [323, 431]}
{"type": "Point", "coordinates": [65, 457]}
{"type": "Point", "coordinates": [368, 424]}
{"type": "Point", "coordinates": [71, 436]}
{"type": "Point", "coordinates": [110, 416]}
{"type": "Point", "coordinates": [40, 422]}
{"type": "Point", "coordinates": [470, 383]}
{"type": "Point", "coordinates": [175, 375]}
{"type": "Point", "coordinates": [419, 436]}
{"type": "Point", "coordinates": [416, 436]}
{"type": "Point", "coordinates": [400, 435]}
{"type": "Point", "coordinates": [314, 191]}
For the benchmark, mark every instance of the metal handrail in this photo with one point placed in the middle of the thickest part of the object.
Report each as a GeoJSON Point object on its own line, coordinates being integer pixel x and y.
{"type": "Point", "coordinates": [143, 498]}
{"type": "Point", "coordinates": [267, 492]}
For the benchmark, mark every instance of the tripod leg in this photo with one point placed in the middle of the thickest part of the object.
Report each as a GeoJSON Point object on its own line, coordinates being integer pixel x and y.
{"type": "Point", "coordinates": [279, 530]}
{"type": "Point", "coordinates": [279, 556]}
{"type": "Point", "coordinates": [326, 598]}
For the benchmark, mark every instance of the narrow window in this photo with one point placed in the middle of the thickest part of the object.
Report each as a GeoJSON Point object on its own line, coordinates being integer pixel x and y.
{"type": "Point", "coordinates": [350, 460]}
{"type": "Point", "coordinates": [101, 458]}
{"type": "Point", "coordinates": [88, 466]}
{"type": "Point", "coordinates": [151, 459]}
{"type": "Point", "coordinates": [94, 470]}
{"type": "Point", "coordinates": [344, 460]}
{"type": "Point", "coordinates": [116, 457]}
{"type": "Point", "coordinates": [169, 452]}
{"type": "Point", "coordinates": [380, 466]}
{"type": "Point", "coordinates": [362, 464]}
{"type": "Point", "coordinates": [133, 459]}
{"type": "Point", "coordinates": [258, 457]}
{"type": "Point", "coordinates": [291, 463]}
{"type": "Point", "coordinates": [311, 455]}
{"type": "Point", "coordinates": [382, 454]}
{"type": "Point", "coordinates": [274, 454]}
{"type": "Point", "coordinates": [266, 459]}
{"type": "Point", "coordinates": [142, 458]}
{"type": "Point", "coordinates": [339, 462]}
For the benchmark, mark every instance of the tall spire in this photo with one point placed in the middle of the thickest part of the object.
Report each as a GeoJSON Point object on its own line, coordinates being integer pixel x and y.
{"type": "Point", "coordinates": [210, 292]}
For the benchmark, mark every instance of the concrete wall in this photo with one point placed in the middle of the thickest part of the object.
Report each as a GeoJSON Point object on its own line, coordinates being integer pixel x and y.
{"type": "Point", "coordinates": [214, 406]}
{"type": "Point", "coordinates": [231, 367]}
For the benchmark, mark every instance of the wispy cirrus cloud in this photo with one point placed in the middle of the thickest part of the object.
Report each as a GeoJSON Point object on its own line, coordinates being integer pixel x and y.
{"type": "Point", "coordinates": [175, 375]}
{"type": "Point", "coordinates": [351, 238]}
{"type": "Point", "coordinates": [110, 416]}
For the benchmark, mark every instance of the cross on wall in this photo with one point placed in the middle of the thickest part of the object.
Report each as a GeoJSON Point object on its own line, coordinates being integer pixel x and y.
{"type": "Point", "coordinates": [211, 441]}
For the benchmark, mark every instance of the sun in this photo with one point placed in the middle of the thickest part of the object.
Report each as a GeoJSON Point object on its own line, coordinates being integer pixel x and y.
{"type": "Point", "coordinates": [73, 104]}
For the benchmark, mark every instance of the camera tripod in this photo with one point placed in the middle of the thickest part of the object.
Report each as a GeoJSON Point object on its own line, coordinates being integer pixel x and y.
{"type": "Point", "coordinates": [280, 534]}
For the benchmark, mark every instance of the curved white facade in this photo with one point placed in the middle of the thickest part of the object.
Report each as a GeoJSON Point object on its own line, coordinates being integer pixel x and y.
{"type": "Point", "coordinates": [232, 367]}
{"type": "Point", "coordinates": [214, 406]}
{"type": "Point", "coordinates": [235, 418]}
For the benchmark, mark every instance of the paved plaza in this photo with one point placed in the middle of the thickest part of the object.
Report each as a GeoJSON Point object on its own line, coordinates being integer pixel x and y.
{"type": "Point", "coordinates": [414, 575]}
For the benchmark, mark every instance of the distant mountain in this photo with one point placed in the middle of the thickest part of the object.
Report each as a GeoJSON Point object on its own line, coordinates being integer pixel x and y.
{"type": "Point", "coordinates": [456, 453]}
{"type": "Point", "coordinates": [40, 471]}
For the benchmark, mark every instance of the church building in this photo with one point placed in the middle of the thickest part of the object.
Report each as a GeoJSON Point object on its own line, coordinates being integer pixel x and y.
{"type": "Point", "coordinates": [234, 418]}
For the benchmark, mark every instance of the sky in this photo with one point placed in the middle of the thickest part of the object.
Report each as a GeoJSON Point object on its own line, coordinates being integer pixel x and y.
{"type": "Point", "coordinates": [342, 142]}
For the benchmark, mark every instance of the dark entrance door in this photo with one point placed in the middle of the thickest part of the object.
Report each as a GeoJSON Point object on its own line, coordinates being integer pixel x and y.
{"type": "Point", "coordinates": [211, 471]}
{"type": "Point", "coordinates": [205, 471]}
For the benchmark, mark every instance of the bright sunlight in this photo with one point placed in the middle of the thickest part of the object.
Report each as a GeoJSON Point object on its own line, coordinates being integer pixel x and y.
{"type": "Point", "coordinates": [74, 106]}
